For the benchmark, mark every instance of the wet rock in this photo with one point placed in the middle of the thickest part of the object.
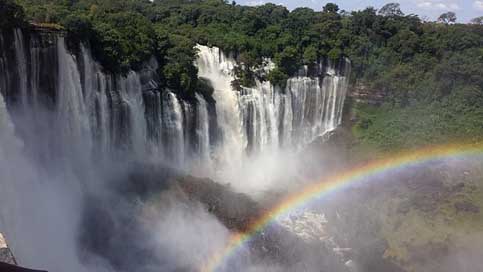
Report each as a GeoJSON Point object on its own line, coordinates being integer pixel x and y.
{"type": "Point", "coordinates": [5, 267]}
{"type": "Point", "coordinates": [236, 211]}
{"type": "Point", "coordinates": [363, 94]}
{"type": "Point", "coordinates": [7, 260]}
{"type": "Point", "coordinates": [6, 255]}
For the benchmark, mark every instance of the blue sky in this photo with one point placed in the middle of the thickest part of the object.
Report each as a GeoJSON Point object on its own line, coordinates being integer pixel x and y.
{"type": "Point", "coordinates": [430, 9]}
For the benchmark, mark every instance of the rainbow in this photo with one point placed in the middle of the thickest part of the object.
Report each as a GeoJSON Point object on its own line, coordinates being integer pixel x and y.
{"type": "Point", "coordinates": [337, 183]}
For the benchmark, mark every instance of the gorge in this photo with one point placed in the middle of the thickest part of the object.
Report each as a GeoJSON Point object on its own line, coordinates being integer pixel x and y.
{"type": "Point", "coordinates": [208, 135]}
{"type": "Point", "coordinates": [68, 125]}
{"type": "Point", "coordinates": [107, 112]}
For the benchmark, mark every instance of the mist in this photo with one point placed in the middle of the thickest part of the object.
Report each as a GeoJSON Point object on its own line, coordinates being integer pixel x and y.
{"type": "Point", "coordinates": [106, 172]}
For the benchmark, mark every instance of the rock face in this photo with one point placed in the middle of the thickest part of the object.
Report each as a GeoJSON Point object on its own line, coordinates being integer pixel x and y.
{"type": "Point", "coordinates": [7, 260]}
{"type": "Point", "coordinates": [6, 255]}
{"type": "Point", "coordinates": [236, 211]}
{"type": "Point", "coordinates": [362, 94]}
{"type": "Point", "coordinates": [41, 70]}
{"type": "Point", "coordinates": [150, 189]}
{"type": "Point", "coordinates": [12, 268]}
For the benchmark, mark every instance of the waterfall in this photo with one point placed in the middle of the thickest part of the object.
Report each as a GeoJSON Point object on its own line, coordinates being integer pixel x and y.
{"type": "Point", "coordinates": [68, 118]}
{"type": "Point", "coordinates": [21, 65]}
{"type": "Point", "coordinates": [264, 117]}
{"type": "Point", "coordinates": [263, 123]}
{"type": "Point", "coordinates": [203, 132]}
{"type": "Point", "coordinates": [73, 116]}
{"type": "Point", "coordinates": [260, 114]}
{"type": "Point", "coordinates": [131, 94]}
{"type": "Point", "coordinates": [38, 210]}
{"type": "Point", "coordinates": [10, 151]}
{"type": "Point", "coordinates": [218, 69]}
{"type": "Point", "coordinates": [98, 108]}
{"type": "Point", "coordinates": [173, 128]}
{"type": "Point", "coordinates": [100, 114]}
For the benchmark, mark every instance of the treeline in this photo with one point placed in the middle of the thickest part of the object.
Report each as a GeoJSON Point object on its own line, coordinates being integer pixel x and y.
{"type": "Point", "coordinates": [411, 61]}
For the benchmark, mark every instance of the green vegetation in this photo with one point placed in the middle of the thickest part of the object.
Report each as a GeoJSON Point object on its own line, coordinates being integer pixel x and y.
{"type": "Point", "coordinates": [441, 102]}
{"type": "Point", "coordinates": [430, 73]}
{"type": "Point", "coordinates": [456, 117]}
{"type": "Point", "coordinates": [437, 216]}
{"type": "Point", "coordinates": [11, 14]}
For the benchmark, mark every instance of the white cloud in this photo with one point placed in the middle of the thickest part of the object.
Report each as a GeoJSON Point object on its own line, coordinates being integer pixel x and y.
{"type": "Point", "coordinates": [478, 4]}
{"type": "Point", "coordinates": [255, 2]}
{"type": "Point", "coordinates": [438, 4]}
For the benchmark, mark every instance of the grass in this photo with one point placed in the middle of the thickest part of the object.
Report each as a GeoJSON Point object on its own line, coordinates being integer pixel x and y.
{"type": "Point", "coordinates": [389, 128]}
{"type": "Point", "coordinates": [415, 236]}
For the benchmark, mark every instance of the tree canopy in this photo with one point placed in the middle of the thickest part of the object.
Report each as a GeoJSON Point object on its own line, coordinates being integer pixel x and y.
{"type": "Point", "coordinates": [447, 18]}
{"type": "Point", "coordinates": [11, 14]}
{"type": "Point", "coordinates": [414, 63]}
{"type": "Point", "coordinates": [477, 20]}
{"type": "Point", "coordinates": [391, 9]}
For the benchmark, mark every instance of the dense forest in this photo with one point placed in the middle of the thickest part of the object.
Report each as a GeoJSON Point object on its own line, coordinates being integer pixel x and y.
{"type": "Point", "coordinates": [428, 72]}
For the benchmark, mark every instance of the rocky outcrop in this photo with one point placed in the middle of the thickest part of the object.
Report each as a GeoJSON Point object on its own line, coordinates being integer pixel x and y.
{"type": "Point", "coordinates": [6, 255]}
{"type": "Point", "coordinates": [360, 93]}
{"type": "Point", "coordinates": [7, 260]}
{"type": "Point", "coordinates": [108, 222]}
{"type": "Point", "coordinates": [5, 267]}
{"type": "Point", "coordinates": [236, 211]}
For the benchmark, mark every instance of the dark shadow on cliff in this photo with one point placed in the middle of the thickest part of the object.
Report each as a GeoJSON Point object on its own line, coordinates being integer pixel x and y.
{"type": "Point", "coordinates": [118, 225]}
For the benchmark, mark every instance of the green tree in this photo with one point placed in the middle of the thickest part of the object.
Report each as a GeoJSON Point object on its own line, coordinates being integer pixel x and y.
{"type": "Point", "coordinates": [288, 60]}
{"type": "Point", "coordinates": [391, 9]}
{"type": "Point", "coordinates": [121, 40]}
{"type": "Point", "coordinates": [278, 77]}
{"type": "Point", "coordinates": [310, 55]}
{"type": "Point", "coordinates": [335, 54]}
{"type": "Point", "coordinates": [447, 18]}
{"type": "Point", "coordinates": [331, 8]}
{"type": "Point", "coordinates": [11, 14]}
{"type": "Point", "coordinates": [477, 20]}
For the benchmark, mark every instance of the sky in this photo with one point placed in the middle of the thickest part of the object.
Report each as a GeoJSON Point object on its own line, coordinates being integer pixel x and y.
{"type": "Point", "coordinates": [427, 9]}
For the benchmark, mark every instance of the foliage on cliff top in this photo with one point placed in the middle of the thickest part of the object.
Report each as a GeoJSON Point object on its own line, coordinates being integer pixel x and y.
{"type": "Point", "coordinates": [11, 14]}
{"type": "Point", "coordinates": [291, 38]}
{"type": "Point", "coordinates": [414, 63]}
{"type": "Point", "coordinates": [439, 104]}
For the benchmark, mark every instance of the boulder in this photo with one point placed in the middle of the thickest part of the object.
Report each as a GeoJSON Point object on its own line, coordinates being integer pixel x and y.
{"type": "Point", "coordinates": [6, 255]}
{"type": "Point", "coordinates": [7, 260]}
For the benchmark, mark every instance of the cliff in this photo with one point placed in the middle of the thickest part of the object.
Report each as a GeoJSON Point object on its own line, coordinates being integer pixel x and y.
{"type": "Point", "coordinates": [40, 69]}
{"type": "Point", "coordinates": [65, 113]}
{"type": "Point", "coordinates": [360, 93]}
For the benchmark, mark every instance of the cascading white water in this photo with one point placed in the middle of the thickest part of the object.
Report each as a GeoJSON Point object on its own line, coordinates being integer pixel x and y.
{"type": "Point", "coordinates": [94, 116]}
{"type": "Point", "coordinates": [21, 64]}
{"type": "Point", "coordinates": [203, 148]}
{"type": "Point", "coordinates": [263, 123]}
{"type": "Point", "coordinates": [96, 95]}
{"type": "Point", "coordinates": [215, 66]}
{"type": "Point", "coordinates": [73, 116]}
{"type": "Point", "coordinates": [260, 114]}
{"type": "Point", "coordinates": [10, 148]}
{"type": "Point", "coordinates": [173, 128]}
{"type": "Point", "coordinates": [131, 94]}
{"type": "Point", "coordinates": [265, 116]}
{"type": "Point", "coordinates": [38, 209]}
{"type": "Point", "coordinates": [108, 113]}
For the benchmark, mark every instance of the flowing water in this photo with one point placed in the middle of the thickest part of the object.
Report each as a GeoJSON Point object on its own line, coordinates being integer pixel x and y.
{"type": "Point", "coordinates": [63, 118]}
